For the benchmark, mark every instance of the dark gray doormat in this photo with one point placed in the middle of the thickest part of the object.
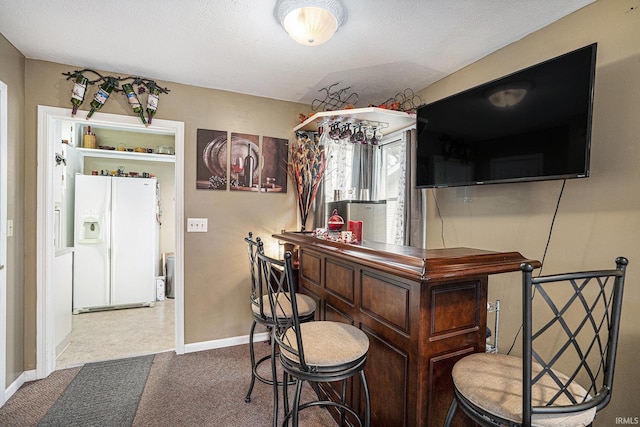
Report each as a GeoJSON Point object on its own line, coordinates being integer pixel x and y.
{"type": "Point", "coordinates": [102, 394]}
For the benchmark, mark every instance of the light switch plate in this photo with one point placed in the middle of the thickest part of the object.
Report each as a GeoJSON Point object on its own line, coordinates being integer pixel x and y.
{"type": "Point", "coordinates": [197, 225]}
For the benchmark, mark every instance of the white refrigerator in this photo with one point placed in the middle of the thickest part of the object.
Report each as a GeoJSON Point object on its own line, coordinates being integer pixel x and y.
{"type": "Point", "coordinates": [116, 242]}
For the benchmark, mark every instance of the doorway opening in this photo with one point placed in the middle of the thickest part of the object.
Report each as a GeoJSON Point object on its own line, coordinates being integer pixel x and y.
{"type": "Point", "coordinates": [52, 125]}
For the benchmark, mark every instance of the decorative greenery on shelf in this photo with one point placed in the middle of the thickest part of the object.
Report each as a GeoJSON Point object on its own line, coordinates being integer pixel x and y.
{"type": "Point", "coordinates": [406, 101]}
{"type": "Point", "coordinates": [306, 166]}
{"type": "Point", "coordinates": [342, 99]}
{"type": "Point", "coordinates": [111, 83]}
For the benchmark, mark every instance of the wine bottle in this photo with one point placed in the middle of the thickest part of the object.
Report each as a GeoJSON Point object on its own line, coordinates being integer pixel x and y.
{"type": "Point", "coordinates": [152, 102]}
{"type": "Point", "coordinates": [101, 96]}
{"type": "Point", "coordinates": [77, 95]}
{"type": "Point", "coordinates": [134, 101]}
{"type": "Point", "coordinates": [249, 167]}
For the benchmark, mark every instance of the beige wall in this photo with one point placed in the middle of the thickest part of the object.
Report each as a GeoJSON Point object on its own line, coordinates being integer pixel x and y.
{"type": "Point", "coordinates": [216, 274]}
{"type": "Point", "coordinates": [598, 217]}
{"type": "Point", "coordinates": [12, 74]}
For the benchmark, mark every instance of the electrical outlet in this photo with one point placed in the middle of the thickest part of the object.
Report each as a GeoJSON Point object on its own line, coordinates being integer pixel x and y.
{"type": "Point", "coordinates": [197, 225]}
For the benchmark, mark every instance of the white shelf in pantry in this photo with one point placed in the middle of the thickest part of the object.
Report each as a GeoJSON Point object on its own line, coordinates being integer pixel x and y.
{"type": "Point", "coordinates": [396, 120]}
{"type": "Point", "coordinates": [127, 155]}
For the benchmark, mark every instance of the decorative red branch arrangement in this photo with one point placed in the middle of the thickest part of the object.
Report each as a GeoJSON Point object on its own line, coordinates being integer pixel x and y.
{"type": "Point", "coordinates": [306, 166]}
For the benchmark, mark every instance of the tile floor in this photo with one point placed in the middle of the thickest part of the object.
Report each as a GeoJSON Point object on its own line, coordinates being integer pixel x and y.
{"type": "Point", "coordinates": [114, 334]}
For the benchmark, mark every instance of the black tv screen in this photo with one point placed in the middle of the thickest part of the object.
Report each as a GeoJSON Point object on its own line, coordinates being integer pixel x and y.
{"type": "Point", "coordinates": [534, 124]}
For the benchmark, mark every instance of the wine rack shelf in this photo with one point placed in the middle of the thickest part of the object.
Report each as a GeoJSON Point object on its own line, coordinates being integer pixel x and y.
{"type": "Point", "coordinates": [392, 120]}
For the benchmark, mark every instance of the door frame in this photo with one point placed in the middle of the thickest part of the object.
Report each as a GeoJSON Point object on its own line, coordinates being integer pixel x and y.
{"type": "Point", "coordinates": [47, 118]}
{"type": "Point", "coordinates": [3, 239]}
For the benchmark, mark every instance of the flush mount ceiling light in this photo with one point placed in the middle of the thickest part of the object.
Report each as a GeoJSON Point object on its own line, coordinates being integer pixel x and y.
{"type": "Point", "coordinates": [310, 22]}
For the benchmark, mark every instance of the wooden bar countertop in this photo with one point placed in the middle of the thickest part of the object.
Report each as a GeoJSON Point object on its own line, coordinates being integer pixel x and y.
{"type": "Point", "coordinates": [415, 263]}
{"type": "Point", "coordinates": [422, 310]}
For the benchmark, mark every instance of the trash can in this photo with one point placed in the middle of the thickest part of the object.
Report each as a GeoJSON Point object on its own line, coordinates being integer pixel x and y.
{"type": "Point", "coordinates": [170, 290]}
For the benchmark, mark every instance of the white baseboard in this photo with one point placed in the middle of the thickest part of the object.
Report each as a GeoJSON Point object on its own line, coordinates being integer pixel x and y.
{"type": "Point", "coordinates": [14, 386]}
{"type": "Point", "coordinates": [225, 342]}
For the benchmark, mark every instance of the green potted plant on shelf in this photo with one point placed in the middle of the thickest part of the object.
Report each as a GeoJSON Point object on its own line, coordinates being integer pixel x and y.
{"type": "Point", "coordinates": [306, 165]}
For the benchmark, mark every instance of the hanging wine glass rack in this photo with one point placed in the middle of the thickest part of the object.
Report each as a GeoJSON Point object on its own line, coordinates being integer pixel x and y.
{"type": "Point", "coordinates": [388, 121]}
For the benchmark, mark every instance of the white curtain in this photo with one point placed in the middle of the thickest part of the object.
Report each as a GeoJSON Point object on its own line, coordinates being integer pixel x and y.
{"type": "Point", "coordinates": [408, 216]}
{"type": "Point", "coordinates": [338, 171]}
{"type": "Point", "coordinates": [399, 218]}
{"type": "Point", "coordinates": [366, 161]}
{"type": "Point", "coordinates": [337, 177]}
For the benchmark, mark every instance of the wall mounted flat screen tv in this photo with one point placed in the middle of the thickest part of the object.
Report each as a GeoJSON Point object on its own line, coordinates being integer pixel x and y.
{"type": "Point", "coordinates": [534, 124]}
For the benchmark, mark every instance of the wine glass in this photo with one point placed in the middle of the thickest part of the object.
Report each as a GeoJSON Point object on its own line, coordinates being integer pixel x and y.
{"type": "Point", "coordinates": [323, 131]}
{"type": "Point", "coordinates": [378, 136]}
{"type": "Point", "coordinates": [346, 132]}
{"type": "Point", "coordinates": [369, 134]}
{"type": "Point", "coordinates": [374, 139]}
{"type": "Point", "coordinates": [237, 166]}
{"type": "Point", "coordinates": [359, 136]}
{"type": "Point", "coordinates": [334, 133]}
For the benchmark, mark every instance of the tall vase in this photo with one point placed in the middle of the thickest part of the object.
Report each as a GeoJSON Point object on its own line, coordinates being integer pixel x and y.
{"type": "Point", "coordinates": [304, 216]}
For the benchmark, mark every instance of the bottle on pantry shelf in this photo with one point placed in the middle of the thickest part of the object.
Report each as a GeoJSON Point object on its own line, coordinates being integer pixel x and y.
{"type": "Point", "coordinates": [134, 102]}
{"type": "Point", "coordinates": [249, 167]}
{"type": "Point", "coordinates": [102, 95]}
{"type": "Point", "coordinates": [77, 94]}
{"type": "Point", "coordinates": [152, 102]}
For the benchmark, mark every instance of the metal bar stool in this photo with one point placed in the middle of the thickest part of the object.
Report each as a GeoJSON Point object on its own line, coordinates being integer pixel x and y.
{"type": "Point", "coordinates": [569, 344]}
{"type": "Point", "coordinates": [262, 314]}
{"type": "Point", "coordinates": [319, 351]}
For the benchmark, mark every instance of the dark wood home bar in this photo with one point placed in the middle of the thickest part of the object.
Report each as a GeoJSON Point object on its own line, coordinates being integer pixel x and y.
{"type": "Point", "coordinates": [422, 311]}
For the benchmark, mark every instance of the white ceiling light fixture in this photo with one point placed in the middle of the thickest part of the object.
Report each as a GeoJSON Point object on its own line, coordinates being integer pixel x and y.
{"type": "Point", "coordinates": [310, 22]}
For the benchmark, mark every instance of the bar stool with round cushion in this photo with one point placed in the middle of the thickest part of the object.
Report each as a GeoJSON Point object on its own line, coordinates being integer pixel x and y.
{"type": "Point", "coordinates": [319, 351]}
{"type": "Point", "coordinates": [570, 336]}
{"type": "Point", "coordinates": [262, 315]}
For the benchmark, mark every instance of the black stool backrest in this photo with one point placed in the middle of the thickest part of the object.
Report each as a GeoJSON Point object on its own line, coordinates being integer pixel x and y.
{"type": "Point", "coordinates": [570, 325]}
{"type": "Point", "coordinates": [277, 278]}
{"type": "Point", "coordinates": [254, 248]}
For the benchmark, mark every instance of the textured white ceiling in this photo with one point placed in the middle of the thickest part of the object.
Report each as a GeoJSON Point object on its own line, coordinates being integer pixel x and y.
{"type": "Point", "coordinates": [383, 47]}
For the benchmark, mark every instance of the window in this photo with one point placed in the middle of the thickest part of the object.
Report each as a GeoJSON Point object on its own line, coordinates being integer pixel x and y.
{"type": "Point", "coordinates": [388, 180]}
{"type": "Point", "coordinates": [391, 182]}
{"type": "Point", "coordinates": [338, 175]}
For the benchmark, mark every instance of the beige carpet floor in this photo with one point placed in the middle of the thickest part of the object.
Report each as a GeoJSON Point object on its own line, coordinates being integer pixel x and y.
{"type": "Point", "coordinates": [204, 388]}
